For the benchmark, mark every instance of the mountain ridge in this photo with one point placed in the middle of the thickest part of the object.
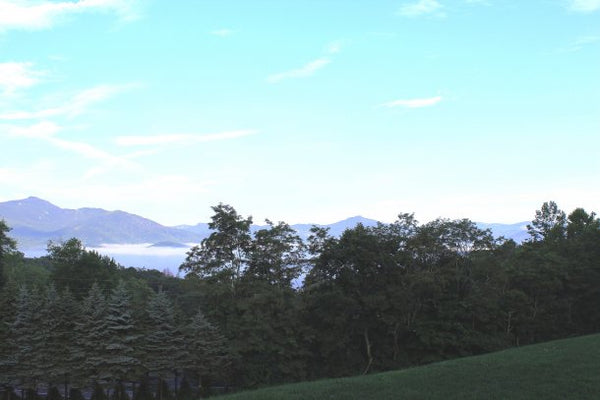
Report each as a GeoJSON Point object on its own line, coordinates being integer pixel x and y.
{"type": "Point", "coordinates": [35, 221]}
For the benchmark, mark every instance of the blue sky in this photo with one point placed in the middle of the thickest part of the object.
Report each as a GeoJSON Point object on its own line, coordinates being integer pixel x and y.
{"type": "Point", "coordinates": [302, 111]}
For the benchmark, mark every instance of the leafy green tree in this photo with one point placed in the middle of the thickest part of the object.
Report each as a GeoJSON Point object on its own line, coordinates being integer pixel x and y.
{"type": "Point", "coordinates": [223, 256]}
{"type": "Point", "coordinates": [582, 252]}
{"type": "Point", "coordinates": [276, 255]}
{"type": "Point", "coordinates": [7, 246]}
{"type": "Point", "coordinates": [549, 223]}
{"type": "Point", "coordinates": [77, 268]}
{"type": "Point", "coordinates": [348, 280]}
{"type": "Point", "coordinates": [580, 223]}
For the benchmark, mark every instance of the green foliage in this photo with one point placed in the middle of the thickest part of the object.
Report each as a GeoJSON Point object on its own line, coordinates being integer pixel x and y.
{"type": "Point", "coordinates": [223, 256]}
{"type": "Point", "coordinates": [374, 299]}
{"type": "Point", "coordinates": [163, 348]}
{"type": "Point", "coordinates": [92, 337]}
{"type": "Point", "coordinates": [7, 247]}
{"type": "Point", "coordinates": [206, 350]}
{"type": "Point", "coordinates": [276, 255]}
{"type": "Point", "coordinates": [77, 268]}
{"type": "Point", "coordinates": [119, 351]}
{"type": "Point", "coordinates": [549, 223]}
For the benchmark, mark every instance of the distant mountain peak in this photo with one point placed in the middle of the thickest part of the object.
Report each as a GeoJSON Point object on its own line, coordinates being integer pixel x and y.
{"type": "Point", "coordinates": [35, 221]}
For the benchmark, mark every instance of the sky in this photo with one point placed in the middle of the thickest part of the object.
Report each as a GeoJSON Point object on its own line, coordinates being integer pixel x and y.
{"type": "Point", "coordinates": [302, 111]}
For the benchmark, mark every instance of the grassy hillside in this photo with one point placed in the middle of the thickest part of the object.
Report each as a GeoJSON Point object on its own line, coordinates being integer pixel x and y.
{"type": "Point", "coordinates": [563, 369]}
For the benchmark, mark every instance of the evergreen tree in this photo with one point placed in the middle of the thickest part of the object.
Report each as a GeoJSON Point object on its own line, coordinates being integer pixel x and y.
{"type": "Point", "coordinates": [93, 338]}
{"type": "Point", "coordinates": [120, 357]}
{"type": "Point", "coordinates": [163, 343]}
{"type": "Point", "coordinates": [47, 333]}
{"type": "Point", "coordinates": [26, 341]}
{"type": "Point", "coordinates": [66, 340]}
{"type": "Point", "coordinates": [8, 352]}
{"type": "Point", "coordinates": [206, 351]}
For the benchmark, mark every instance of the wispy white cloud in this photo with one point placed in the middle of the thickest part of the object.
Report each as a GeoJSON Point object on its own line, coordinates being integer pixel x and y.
{"type": "Point", "coordinates": [421, 7]}
{"type": "Point", "coordinates": [17, 75]}
{"type": "Point", "coordinates": [128, 195]}
{"type": "Point", "coordinates": [180, 138]}
{"type": "Point", "coordinates": [47, 131]}
{"type": "Point", "coordinates": [42, 130]}
{"type": "Point", "coordinates": [78, 105]}
{"type": "Point", "coordinates": [334, 47]}
{"type": "Point", "coordinates": [26, 14]}
{"type": "Point", "coordinates": [306, 70]}
{"type": "Point", "coordinates": [580, 43]}
{"type": "Point", "coordinates": [414, 103]}
{"type": "Point", "coordinates": [222, 32]}
{"type": "Point", "coordinates": [584, 6]}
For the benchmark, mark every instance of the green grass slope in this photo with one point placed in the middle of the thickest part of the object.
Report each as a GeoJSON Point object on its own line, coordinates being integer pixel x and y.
{"type": "Point", "coordinates": [562, 369]}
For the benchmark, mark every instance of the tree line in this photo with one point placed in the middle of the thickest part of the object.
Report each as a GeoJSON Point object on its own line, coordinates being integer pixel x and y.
{"type": "Point", "coordinates": [269, 307]}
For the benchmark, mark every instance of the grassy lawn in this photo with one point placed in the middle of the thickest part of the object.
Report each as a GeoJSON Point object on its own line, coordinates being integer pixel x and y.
{"type": "Point", "coordinates": [563, 369]}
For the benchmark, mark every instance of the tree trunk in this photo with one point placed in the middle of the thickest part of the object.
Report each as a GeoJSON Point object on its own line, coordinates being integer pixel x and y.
{"type": "Point", "coordinates": [176, 384]}
{"type": "Point", "coordinates": [66, 389]}
{"type": "Point", "coordinates": [396, 337]}
{"type": "Point", "coordinates": [368, 348]}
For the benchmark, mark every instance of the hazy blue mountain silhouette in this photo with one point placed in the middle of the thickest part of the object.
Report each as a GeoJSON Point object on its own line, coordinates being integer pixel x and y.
{"type": "Point", "coordinates": [34, 221]}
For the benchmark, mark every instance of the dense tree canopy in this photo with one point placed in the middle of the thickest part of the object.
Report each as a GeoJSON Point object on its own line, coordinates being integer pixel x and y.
{"type": "Point", "coordinates": [266, 307]}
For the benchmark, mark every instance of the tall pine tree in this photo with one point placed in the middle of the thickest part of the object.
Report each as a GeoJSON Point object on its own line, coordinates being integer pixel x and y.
{"type": "Point", "coordinates": [163, 344]}
{"type": "Point", "coordinates": [121, 361]}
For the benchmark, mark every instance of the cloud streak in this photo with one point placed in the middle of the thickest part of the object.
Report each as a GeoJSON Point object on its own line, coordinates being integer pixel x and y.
{"type": "Point", "coordinates": [180, 138]}
{"type": "Point", "coordinates": [306, 70]}
{"type": "Point", "coordinates": [17, 75]}
{"type": "Point", "coordinates": [579, 43]}
{"type": "Point", "coordinates": [222, 32]}
{"type": "Point", "coordinates": [76, 106]}
{"type": "Point", "coordinates": [46, 131]}
{"type": "Point", "coordinates": [42, 15]}
{"type": "Point", "coordinates": [414, 103]}
{"type": "Point", "coordinates": [584, 6]}
{"type": "Point", "coordinates": [420, 7]}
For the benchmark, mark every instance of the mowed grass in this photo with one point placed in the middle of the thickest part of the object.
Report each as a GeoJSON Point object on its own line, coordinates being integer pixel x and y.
{"type": "Point", "coordinates": [562, 369]}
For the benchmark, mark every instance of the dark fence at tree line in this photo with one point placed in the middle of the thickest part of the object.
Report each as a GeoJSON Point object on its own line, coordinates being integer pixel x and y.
{"type": "Point", "coordinates": [373, 299]}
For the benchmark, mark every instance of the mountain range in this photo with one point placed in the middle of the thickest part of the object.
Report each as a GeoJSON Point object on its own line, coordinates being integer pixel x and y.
{"type": "Point", "coordinates": [35, 221]}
